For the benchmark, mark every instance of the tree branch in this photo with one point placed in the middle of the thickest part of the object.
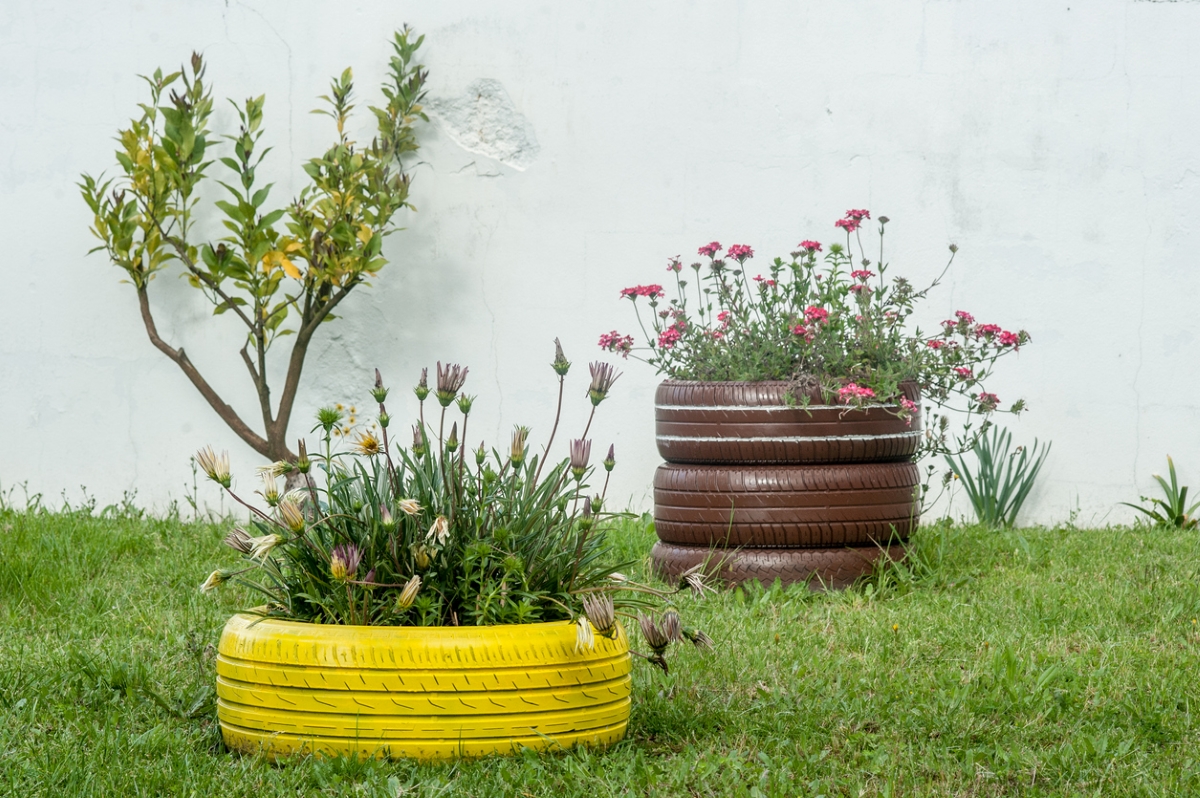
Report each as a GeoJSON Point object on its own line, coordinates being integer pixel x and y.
{"type": "Point", "coordinates": [180, 358]}
{"type": "Point", "coordinates": [304, 335]}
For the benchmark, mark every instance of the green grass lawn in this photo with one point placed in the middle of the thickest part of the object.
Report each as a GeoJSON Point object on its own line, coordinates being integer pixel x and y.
{"type": "Point", "coordinates": [1032, 662]}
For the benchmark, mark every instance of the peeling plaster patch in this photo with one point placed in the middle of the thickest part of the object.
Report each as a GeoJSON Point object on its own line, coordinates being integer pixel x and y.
{"type": "Point", "coordinates": [484, 120]}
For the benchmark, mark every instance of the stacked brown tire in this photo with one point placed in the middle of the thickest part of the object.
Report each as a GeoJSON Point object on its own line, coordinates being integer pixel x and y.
{"type": "Point", "coordinates": [760, 487]}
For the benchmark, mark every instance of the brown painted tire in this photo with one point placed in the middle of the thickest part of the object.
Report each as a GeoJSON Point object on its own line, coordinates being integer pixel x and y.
{"type": "Point", "coordinates": [820, 568]}
{"type": "Point", "coordinates": [781, 506]}
{"type": "Point", "coordinates": [750, 422]}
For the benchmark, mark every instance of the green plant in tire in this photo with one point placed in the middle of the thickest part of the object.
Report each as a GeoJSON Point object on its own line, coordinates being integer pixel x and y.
{"type": "Point", "coordinates": [1001, 479]}
{"type": "Point", "coordinates": [440, 533]}
{"type": "Point", "coordinates": [281, 270]}
{"type": "Point", "coordinates": [1173, 510]}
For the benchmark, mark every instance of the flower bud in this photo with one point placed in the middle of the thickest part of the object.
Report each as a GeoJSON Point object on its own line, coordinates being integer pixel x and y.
{"type": "Point", "coordinates": [603, 376]}
{"type": "Point", "coordinates": [215, 580]}
{"type": "Point", "coordinates": [611, 460]}
{"type": "Point", "coordinates": [379, 392]}
{"type": "Point", "coordinates": [452, 441]}
{"type": "Point", "coordinates": [215, 467]}
{"type": "Point", "coordinates": [409, 594]}
{"type": "Point", "coordinates": [291, 515]}
{"type": "Point", "coordinates": [384, 419]}
{"type": "Point", "coordinates": [418, 446]}
{"type": "Point", "coordinates": [581, 451]}
{"type": "Point", "coordinates": [464, 403]}
{"type": "Point", "coordinates": [480, 454]}
{"type": "Point", "coordinates": [328, 418]}
{"type": "Point", "coordinates": [560, 365]}
{"type": "Point", "coordinates": [517, 447]}
{"type": "Point", "coordinates": [422, 387]}
{"type": "Point", "coordinates": [303, 464]}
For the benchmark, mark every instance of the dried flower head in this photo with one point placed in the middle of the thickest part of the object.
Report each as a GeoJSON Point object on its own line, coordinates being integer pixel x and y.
{"type": "Point", "coordinates": [344, 561]}
{"type": "Point", "coordinates": [409, 594]}
{"type": "Point", "coordinates": [697, 637]}
{"type": "Point", "coordinates": [409, 506]}
{"type": "Point", "coordinates": [694, 579]}
{"type": "Point", "coordinates": [449, 382]}
{"type": "Point", "coordinates": [422, 387]}
{"type": "Point", "coordinates": [655, 637]}
{"type": "Point", "coordinates": [439, 532]}
{"type": "Point", "coordinates": [581, 452]}
{"type": "Point", "coordinates": [560, 365]}
{"type": "Point", "coordinates": [672, 627]}
{"type": "Point", "coordinates": [600, 611]}
{"type": "Point", "coordinates": [290, 513]}
{"type": "Point", "coordinates": [215, 467]}
{"type": "Point", "coordinates": [261, 546]}
{"type": "Point", "coordinates": [585, 640]}
{"type": "Point", "coordinates": [238, 540]}
{"type": "Point", "coordinates": [276, 469]}
{"type": "Point", "coordinates": [603, 377]}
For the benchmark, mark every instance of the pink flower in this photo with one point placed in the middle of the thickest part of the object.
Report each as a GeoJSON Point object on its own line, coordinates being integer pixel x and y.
{"type": "Point", "coordinates": [950, 323]}
{"type": "Point", "coordinates": [800, 329]}
{"type": "Point", "coordinates": [851, 392]}
{"type": "Point", "coordinates": [862, 274]}
{"type": "Point", "coordinates": [739, 252]}
{"type": "Point", "coordinates": [813, 313]}
{"type": "Point", "coordinates": [963, 372]}
{"type": "Point", "coordinates": [717, 335]}
{"type": "Point", "coordinates": [987, 401]}
{"type": "Point", "coordinates": [652, 291]}
{"type": "Point", "coordinates": [908, 404]}
{"type": "Point", "coordinates": [810, 246]}
{"type": "Point", "coordinates": [1009, 339]}
{"type": "Point", "coordinates": [615, 342]}
{"type": "Point", "coordinates": [858, 216]}
{"type": "Point", "coordinates": [861, 288]}
{"type": "Point", "coordinates": [723, 317]}
{"type": "Point", "coordinates": [850, 225]}
{"type": "Point", "coordinates": [668, 338]}
{"type": "Point", "coordinates": [935, 343]}
{"type": "Point", "coordinates": [673, 265]}
{"type": "Point", "coordinates": [965, 317]}
{"type": "Point", "coordinates": [987, 329]}
{"type": "Point", "coordinates": [710, 250]}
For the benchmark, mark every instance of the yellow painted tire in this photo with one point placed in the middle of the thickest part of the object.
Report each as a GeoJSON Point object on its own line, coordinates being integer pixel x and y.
{"type": "Point", "coordinates": [285, 687]}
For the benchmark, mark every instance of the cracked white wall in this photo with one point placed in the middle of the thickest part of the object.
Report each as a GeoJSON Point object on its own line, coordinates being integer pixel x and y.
{"type": "Point", "coordinates": [575, 147]}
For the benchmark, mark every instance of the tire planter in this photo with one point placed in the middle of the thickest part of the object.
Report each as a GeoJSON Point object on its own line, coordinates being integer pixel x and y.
{"type": "Point", "coordinates": [801, 491]}
{"type": "Point", "coordinates": [854, 504]}
{"type": "Point", "coordinates": [429, 693]}
{"type": "Point", "coordinates": [820, 568]}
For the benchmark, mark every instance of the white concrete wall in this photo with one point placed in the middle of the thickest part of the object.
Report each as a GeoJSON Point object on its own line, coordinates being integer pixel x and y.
{"type": "Point", "coordinates": [1054, 142]}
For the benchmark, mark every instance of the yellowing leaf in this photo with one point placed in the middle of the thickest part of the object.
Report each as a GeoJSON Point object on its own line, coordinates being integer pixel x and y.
{"type": "Point", "coordinates": [364, 233]}
{"type": "Point", "coordinates": [289, 268]}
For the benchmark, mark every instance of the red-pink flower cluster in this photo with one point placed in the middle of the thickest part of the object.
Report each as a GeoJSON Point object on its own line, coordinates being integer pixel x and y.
{"type": "Point", "coordinates": [852, 221]}
{"type": "Point", "coordinates": [935, 343]}
{"type": "Point", "coordinates": [710, 250]}
{"type": "Point", "coordinates": [813, 313]}
{"type": "Point", "coordinates": [806, 332]}
{"type": "Point", "coordinates": [615, 342]}
{"type": "Point", "coordinates": [652, 291]}
{"type": "Point", "coordinates": [987, 401]}
{"type": "Point", "coordinates": [963, 372]}
{"type": "Point", "coordinates": [910, 409]}
{"type": "Point", "coordinates": [765, 281]}
{"type": "Point", "coordinates": [987, 329]}
{"type": "Point", "coordinates": [860, 288]}
{"type": "Point", "coordinates": [851, 391]}
{"type": "Point", "coordinates": [669, 337]}
{"type": "Point", "coordinates": [862, 274]}
{"type": "Point", "coordinates": [810, 246]}
{"type": "Point", "coordinates": [723, 317]}
{"type": "Point", "coordinates": [739, 252]}
{"type": "Point", "coordinates": [964, 317]}
{"type": "Point", "coordinates": [673, 265]}
{"type": "Point", "coordinates": [1009, 339]}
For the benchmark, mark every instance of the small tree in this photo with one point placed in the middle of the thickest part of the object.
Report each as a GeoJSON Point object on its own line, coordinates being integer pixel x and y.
{"type": "Point", "coordinates": [275, 282]}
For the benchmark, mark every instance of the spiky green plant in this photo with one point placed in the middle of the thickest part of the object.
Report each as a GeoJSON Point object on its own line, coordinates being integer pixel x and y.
{"type": "Point", "coordinates": [1174, 510]}
{"type": "Point", "coordinates": [1000, 481]}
